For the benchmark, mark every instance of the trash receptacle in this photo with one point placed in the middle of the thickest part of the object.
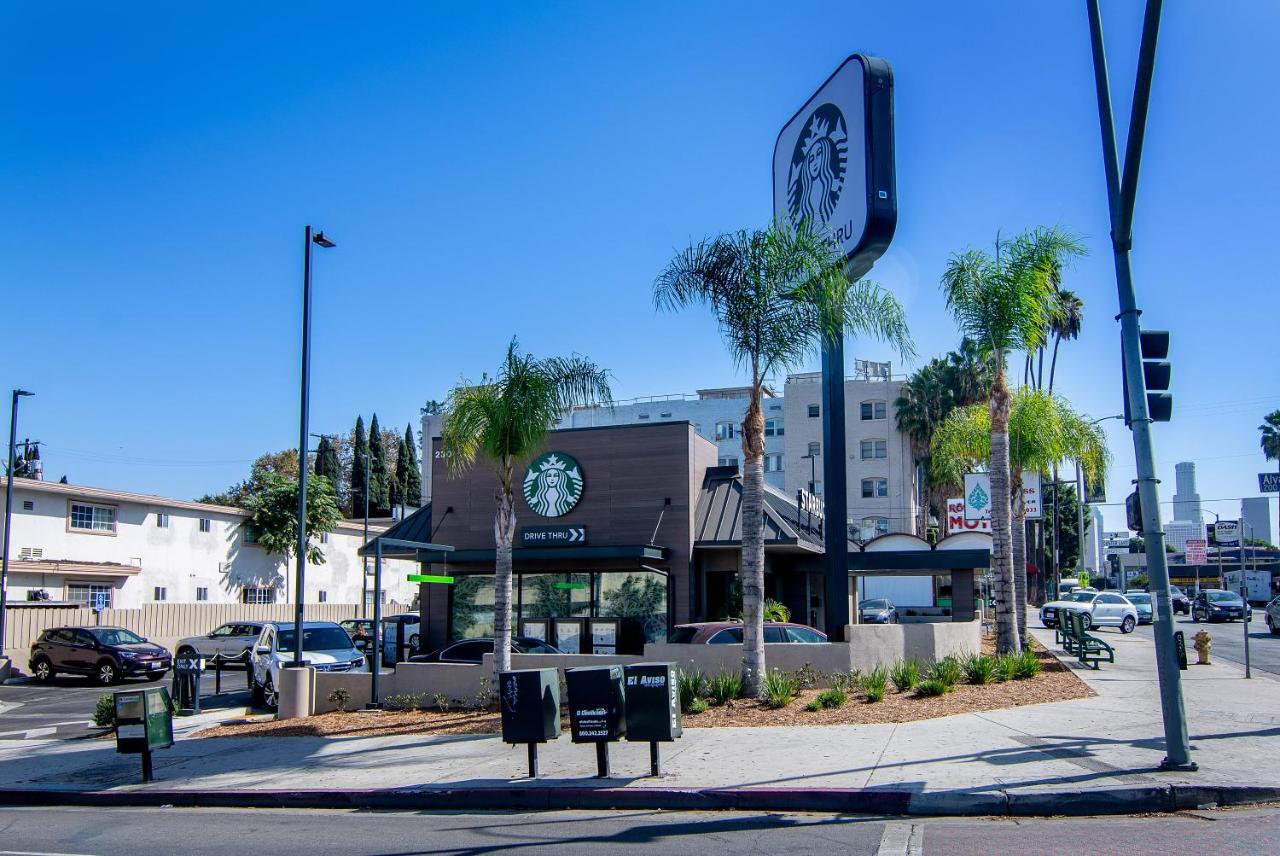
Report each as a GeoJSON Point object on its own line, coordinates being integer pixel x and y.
{"type": "Point", "coordinates": [144, 722]}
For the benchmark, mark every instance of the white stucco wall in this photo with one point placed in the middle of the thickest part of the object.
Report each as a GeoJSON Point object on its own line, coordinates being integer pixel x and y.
{"type": "Point", "coordinates": [178, 557]}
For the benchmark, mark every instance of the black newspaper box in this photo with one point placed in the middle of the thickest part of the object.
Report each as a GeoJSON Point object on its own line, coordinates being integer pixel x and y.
{"type": "Point", "coordinates": [597, 707]}
{"type": "Point", "coordinates": [530, 702]}
{"type": "Point", "coordinates": [653, 702]}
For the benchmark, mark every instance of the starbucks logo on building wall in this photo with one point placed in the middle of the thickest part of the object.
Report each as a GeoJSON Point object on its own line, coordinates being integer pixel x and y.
{"type": "Point", "coordinates": [818, 166]}
{"type": "Point", "coordinates": [553, 484]}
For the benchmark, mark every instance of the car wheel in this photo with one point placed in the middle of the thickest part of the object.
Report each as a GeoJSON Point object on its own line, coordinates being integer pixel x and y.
{"type": "Point", "coordinates": [42, 670]}
{"type": "Point", "coordinates": [1195, 617]}
{"type": "Point", "coordinates": [1086, 620]}
{"type": "Point", "coordinates": [270, 698]}
{"type": "Point", "coordinates": [107, 673]}
{"type": "Point", "coordinates": [1275, 631]}
{"type": "Point", "coordinates": [1127, 625]}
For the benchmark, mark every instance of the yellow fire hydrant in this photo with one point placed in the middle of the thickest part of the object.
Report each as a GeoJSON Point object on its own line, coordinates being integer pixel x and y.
{"type": "Point", "coordinates": [1203, 641]}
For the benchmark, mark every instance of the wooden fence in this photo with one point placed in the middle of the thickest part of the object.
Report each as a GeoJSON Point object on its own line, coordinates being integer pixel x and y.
{"type": "Point", "coordinates": [162, 623]}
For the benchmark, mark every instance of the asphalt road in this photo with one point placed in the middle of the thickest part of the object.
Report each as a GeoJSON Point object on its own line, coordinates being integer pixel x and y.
{"type": "Point", "coordinates": [64, 708]}
{"type": "Point", "coordinates": [1228, 641]}
{"type": "Point", "coordinates": [141, 832]}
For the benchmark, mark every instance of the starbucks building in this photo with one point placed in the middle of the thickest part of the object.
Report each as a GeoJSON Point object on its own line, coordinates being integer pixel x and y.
{"type": "Point", "coordinates": [622, 532]}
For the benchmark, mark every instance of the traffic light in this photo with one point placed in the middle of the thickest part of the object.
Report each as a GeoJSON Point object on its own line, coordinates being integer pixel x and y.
{"type": "Point", "coordinates": [1133, 511]}
{"type": "Point", "coordinates": [1156, 372]}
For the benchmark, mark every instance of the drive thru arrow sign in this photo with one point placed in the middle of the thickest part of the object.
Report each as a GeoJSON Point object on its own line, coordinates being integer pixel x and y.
{"type": "Point", "coordinates": [549, 536]}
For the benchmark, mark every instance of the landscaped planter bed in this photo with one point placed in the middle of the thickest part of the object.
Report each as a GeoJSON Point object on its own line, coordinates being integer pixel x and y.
{"type": "Point", "coordinates": [1054, 683]}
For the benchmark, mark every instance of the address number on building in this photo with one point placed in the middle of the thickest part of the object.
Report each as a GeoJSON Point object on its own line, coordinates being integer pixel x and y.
{"type": "Point", "coordinates": [557, 536]}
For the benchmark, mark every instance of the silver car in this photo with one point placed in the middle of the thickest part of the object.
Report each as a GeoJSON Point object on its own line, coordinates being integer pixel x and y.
{"type": "Point", "coordinates": [325, 645]}
{"type": "Point", "coordinates": [233, 642]}
{"type": "Point", "coordinates": [1273, 616]}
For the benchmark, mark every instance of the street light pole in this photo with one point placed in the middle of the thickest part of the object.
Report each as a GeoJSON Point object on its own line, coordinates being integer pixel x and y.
{"type": "Point", "coordinates": [8, 508]}
{"type": "Point", "coordinates": [364, 582]}
{"type": "Point", "coordinates": [1122, 189]}
{"type": "Point", "coordinates": [303, 433]}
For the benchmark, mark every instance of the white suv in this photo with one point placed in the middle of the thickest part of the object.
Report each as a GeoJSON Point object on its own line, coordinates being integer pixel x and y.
{"type": "Point", "coordinates": [1098, 609]}
{"type": "Point", "coordinates": [325, 646]}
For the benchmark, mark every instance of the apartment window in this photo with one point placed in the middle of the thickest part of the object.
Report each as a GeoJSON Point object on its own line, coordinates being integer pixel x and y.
{"type": "Point", "coordinates": [873, 527]}
{"type": "Point", "coordinates": [815, 449]}
{"type": "Point", "coordinates": [93, 518]}
{"type": "Point", "coordinates": [162, 520]}
{"type": "Point", "coordinates": [666, 414]}
{"type": "Point", "coordinates": [874, 449]}
{"type": "Point", "coordinates": [817, 488]}
{"type": "Point", "coordinates": [160, 593]}
{"type": "Point", "coordinates": [202, 593]}
{"type": "Point", "coordinates": [86, 594]}
{"type": "Point", "coordinates": [724, 430]}
{"type": "Point", "coordinates": [814, 411]}
{"type": "Point", "coordinates": [643, 416]}
{"type": "Point", "coordinates": [773, 463]}
{"type": "Point", "coordinates": [257, 595]}
{"type": "Point", "coordinates": [874, 488]}
{"type": "Point", "coordinates": [206, 525]}
{"type": "Point", "coordinates": [728, 462]}
{"type": "Point", "coordinates": [324, 596]}
{"type": "Point", "coordinates": [368, 598]}
{"type": "Point", "coordinates": [324, 537]}
{"type": "Point", "coordinates": [775, 408]}
{"type": "Point", "coordinates": [28, 505]}
{"type": "Point", "coordinates": [250, 537]}
{"type": "Point", "coordinates": [873, 410]}
{"type": "Point", "coordinates": [773, 428]}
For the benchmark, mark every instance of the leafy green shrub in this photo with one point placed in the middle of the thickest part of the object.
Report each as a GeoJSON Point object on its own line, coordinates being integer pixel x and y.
{"type": "Point", "coordinates": [873, 683]}
{"type": "Point", "coordinates": [441, 701]}
{"type": "Point", "coordinates": [1006, 667]}
{"type": "Point", "coordinates": [104, 712]}
{"type": "Point", "coordinates": [484, 697]}
{"type": "Point", "coordinates": [932, 687]}
{"type": "Point", "coordinates": [831, 698]}
{"type": "Point", "coordinates": [775, 611]}
{"type": "Point", "coordinates": [844, 681]}
{"type": "Point", "coordinates": [691, 686]}
{"type": "Point", "coordinates": [403, 701]}
{"type": "Point", "coordinates": [1026, 664]}
{"type": "Point", "coordinates": [340, 698]}
{"type": "Point", "coordinates": [979, 669]}
{"type": "Point", "coordinates": [779, 688]}
{"type": "Point", "coordinates": [948, 670]}
{"type": "Point", "coordinates": [698, 705]}
{"type": "Point", "coordinates": [724, 687]}
{"type": "Point", "coordinates": [905, 674]}
{"type": "Point", "coordinates": [807, 677]}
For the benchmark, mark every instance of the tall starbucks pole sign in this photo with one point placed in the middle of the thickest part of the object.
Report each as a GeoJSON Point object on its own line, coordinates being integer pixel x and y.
{"type": "Point", "coordinates": [833, 169]}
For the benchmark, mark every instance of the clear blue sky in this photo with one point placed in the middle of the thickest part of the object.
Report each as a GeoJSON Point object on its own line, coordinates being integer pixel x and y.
{"type": "Point", "coordinates": [528, 169]}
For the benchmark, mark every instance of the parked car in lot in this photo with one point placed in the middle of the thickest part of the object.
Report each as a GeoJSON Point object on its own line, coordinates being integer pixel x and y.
{"type": "Point", "coordinates": [730, 633]}
{"type": "Point", "coordinates": [1273, 616]}
{"type": "Point", "coordinates": [233, 641]}
{"type": "Point", "coordinates": [325, 645]}
{"type": "Point", "coordinates": [105, 654]}
{"type": "Point", "coordinates": [359, 629]}
{"type": "Point", "coordinates": [1181, 603]}
{"type": "Point", "coordinates": [1219, 605]}
{"type": "Point", "coordinates": [1097, 609]}
{"type": "Point", "coordinates": [1141, 601]}
{"type": "Point", "coordinates": [473, 650]}
{"type": "Point", "coordinates": [877, 611]}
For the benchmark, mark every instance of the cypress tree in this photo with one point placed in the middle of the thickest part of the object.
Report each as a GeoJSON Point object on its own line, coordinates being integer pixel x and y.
{"type": "Point", "coordinates": [398, 495]}
{"type": "Point", "coordinates": [379, 491]}
{"type": "Point", "coordinates": [360, 450]}
{"type": "Point", "coordinates": [412, 471]}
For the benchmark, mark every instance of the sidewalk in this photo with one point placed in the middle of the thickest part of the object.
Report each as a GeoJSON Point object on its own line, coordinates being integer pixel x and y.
{"type": "Point", "coordinates": [1089, 755]}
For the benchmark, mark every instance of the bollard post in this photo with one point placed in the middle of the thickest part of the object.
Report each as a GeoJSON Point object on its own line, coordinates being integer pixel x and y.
{"type": "Point", "coordinates": [217, 674]}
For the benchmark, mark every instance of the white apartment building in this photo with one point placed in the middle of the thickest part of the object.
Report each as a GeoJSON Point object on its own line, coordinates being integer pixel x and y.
{"type": "Point", "coordinates": [70, 543]}
{"type": "Point", "coordinates": [1176, 533]}
{"type": "Point", "coordinates": [882, 491]}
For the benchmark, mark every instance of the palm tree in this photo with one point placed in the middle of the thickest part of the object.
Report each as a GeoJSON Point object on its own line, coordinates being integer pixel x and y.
{"type": "Point", "coordinates": [934, 390]}
{"type": "Point", "coordinates": [1002, 303]}
{"type": "Point", "coordinates": [1064, 324]}
{"type": "Point", "coordinates": [1270, 429]}
{"type": "Point", "coordinates": [505, 420]}
{"type": "Point", "coordinates": [778, 295]}
{"type": "Point", "coordinates": [1044, 430]}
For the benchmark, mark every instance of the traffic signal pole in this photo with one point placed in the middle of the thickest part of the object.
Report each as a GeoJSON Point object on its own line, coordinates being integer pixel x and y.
{"type": "Point", "coordinates": [1121, 190]}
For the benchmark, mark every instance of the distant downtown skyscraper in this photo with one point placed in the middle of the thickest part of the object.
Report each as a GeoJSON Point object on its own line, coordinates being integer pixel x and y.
{"type": "Point", "coordinates": [1186, 502]}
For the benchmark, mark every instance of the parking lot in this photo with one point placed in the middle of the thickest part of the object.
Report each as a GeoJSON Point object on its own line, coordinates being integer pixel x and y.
{"type": "Point", "coordinates": [63, 709]}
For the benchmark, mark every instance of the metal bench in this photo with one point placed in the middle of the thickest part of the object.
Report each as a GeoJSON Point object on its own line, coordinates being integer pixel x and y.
{"type": "Point", "coordinates": [1088, 649]}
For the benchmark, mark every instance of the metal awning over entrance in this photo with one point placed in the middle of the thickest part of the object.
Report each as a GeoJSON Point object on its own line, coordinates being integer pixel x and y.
{"type": "Point", "coordinates": [898, 553]}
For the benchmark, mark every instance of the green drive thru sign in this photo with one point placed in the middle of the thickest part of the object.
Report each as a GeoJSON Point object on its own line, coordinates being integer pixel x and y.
{"type": "Point", "coordinates": [429, 578]}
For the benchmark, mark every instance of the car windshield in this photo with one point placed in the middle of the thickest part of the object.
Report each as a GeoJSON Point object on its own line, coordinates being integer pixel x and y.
{"type": "Point", "coordinates": [1139, 598]}
{"type": "Point", "coordinates": [315, 639]}
{"type": "Point", "coordinates": [1082, 597]}
{"type": "Point", "coordinates": [1222, 597]}
{"type": "Point", "coordinates": [111, 636]}
{"type": "Point", "coordinates": [875, 604]}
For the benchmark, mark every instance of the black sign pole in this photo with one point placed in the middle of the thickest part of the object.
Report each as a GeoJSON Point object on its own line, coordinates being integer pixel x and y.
{"type": "Point", "coordinates": [602, 759]}
{"type": "Point", "coordinates": [533, 760]}
{"type": "Point", "coordinates": [835, 491]}
{"type": "Point", "coordinates": [655, 759]}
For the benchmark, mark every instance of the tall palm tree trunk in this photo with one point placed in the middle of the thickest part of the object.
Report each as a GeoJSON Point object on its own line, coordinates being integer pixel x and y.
{"type": "Point", "coordinates": [753, 664]}
{"type": "Point", "coordinates": [1019, 532]}
{"type": "Point", "coordinates": [1053, 364]}
{"type": "Point", "coordinates": [1007, 639]}
{"type": "Point", "coordinates": [504, 531]}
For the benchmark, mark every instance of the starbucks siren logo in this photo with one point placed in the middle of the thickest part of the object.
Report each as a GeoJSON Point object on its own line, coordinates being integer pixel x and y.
{"type": "Point", "coordinates": [553, 484]}
{"type": "Point", "coordinates": [818, 166]}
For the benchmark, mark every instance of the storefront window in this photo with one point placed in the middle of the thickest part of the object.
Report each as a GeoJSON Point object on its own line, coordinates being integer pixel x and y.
{"type": "Point", "coordinates": [555, 596]}
{"type": "Point", "coordinates": [641, 595]}
{"type": "Point", "coordinates": [942, 590]}
{"type": "Point", "coordinates": [472, 607]}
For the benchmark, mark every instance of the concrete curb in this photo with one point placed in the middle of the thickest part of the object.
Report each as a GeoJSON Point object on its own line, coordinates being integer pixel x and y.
{"type": "Point", "coordinates": [1103, 801]}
